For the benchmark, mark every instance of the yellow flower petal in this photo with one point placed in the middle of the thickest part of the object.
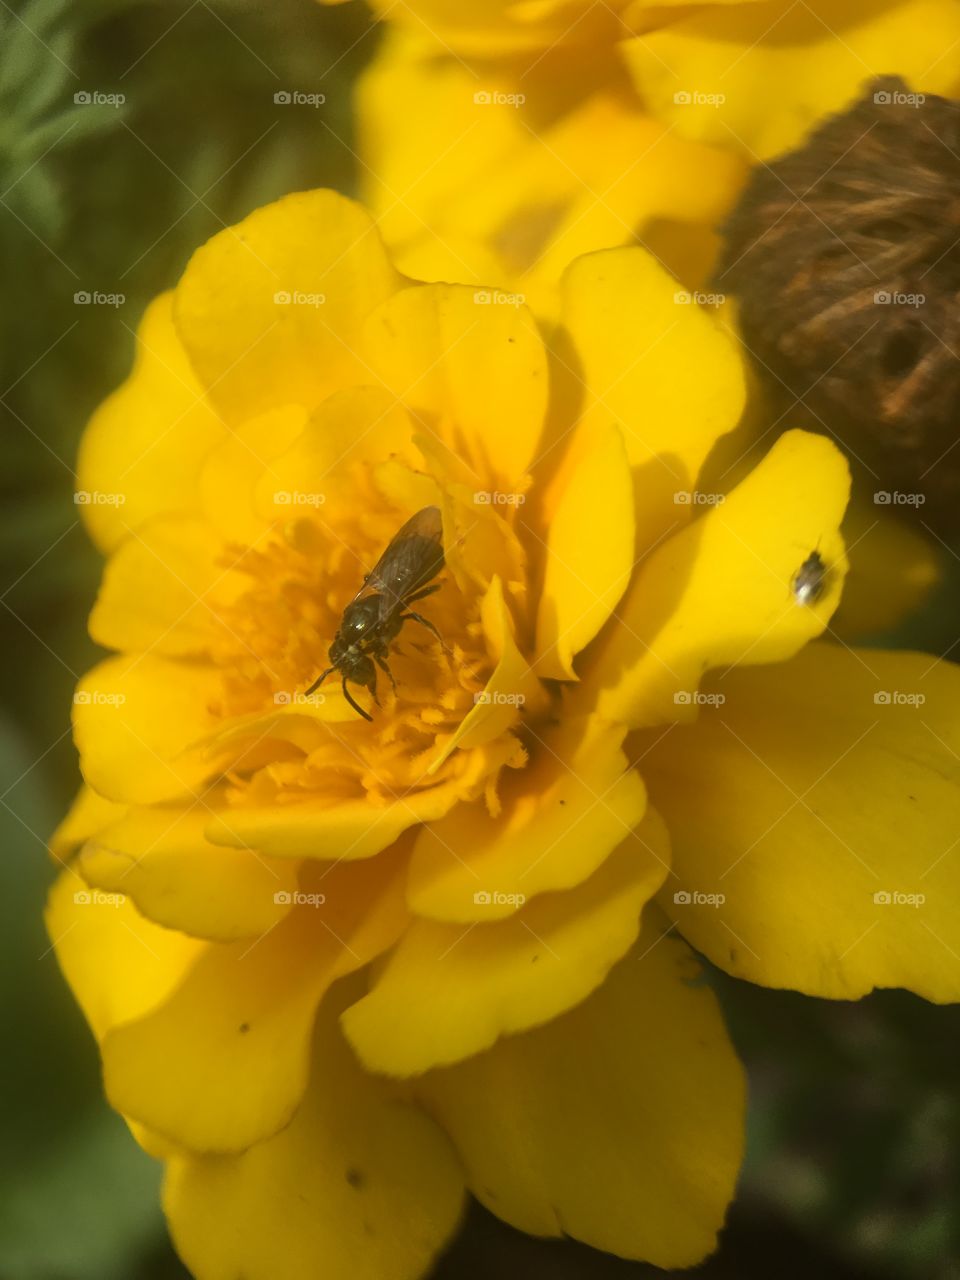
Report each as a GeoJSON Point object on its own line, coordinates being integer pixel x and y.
{"type": "Point", "coordinates": [665, 180]}
{"type": "Point", "coordinates": [533, 168]}
{"type": "Point", "coordinates": [663, 369]}
{"type": "Point", "coordinates": [893, 568]}
{"type": "Point", "coordinates": [233, 470]}
{"type": "Point", "coordinates": [721, 591]}
{"type": "Point", "coordinates": [496, 27]}
{"type": "Point", "coordinates": [740, 74]}
{"type": "Point", "coordinates": [159, 857]}
{"type": "Point", "coordinates": [343, 830]}
{"type": "Point", "coordinates": [566, 812]}
{"type": "Point", "coordinates": [270, 311]}
{"type": "Point", "coordinates": [448, 991]}
{"type": "Point", "coordinates": [135, 719]}
{"type": "Point", "coordinates": [328, 462]}
{"type": "Point", "coordinates": [88, 814]}
{"type": "Point", "coordinates": [442, 119]}
{"type": "Point", "coordinates": [590, 543]}
{"type": "Point", "coordinates": [801, 799]}
{"type": "Point", "coordinates": [146, 443]}
{"type": "Point", "coordinates": [118, 965]}
{"type": "Point", "coordinates": [471, 370]}
{"type": "Point", "coordinates": [619, 1124]}
{"type": "Point", "coordinates": [224, 1062]}
{"type": "Point", "coordinates": [512, 691]}
{"type": "Point", "coordinates": [360, 1186]}
{"type": "Point", "coordinates": [164, 588]}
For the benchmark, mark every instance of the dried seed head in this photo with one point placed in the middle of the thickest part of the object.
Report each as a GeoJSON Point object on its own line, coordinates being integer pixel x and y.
{"type": "Point", "coordinates": [845, 259]}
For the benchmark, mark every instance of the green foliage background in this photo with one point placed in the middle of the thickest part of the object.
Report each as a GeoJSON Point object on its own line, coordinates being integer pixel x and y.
{"type": "Point", "coordinates": [852, 1170]}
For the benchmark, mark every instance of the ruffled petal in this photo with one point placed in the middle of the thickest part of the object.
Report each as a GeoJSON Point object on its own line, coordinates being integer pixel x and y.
{"type": "Point", "coordinates": [492, 28]}
{"type": "Point", "coordinates": [135, 719]}
{"type": "Point", "coordinates": [619, 1124]}
{"type": "Point", "coordinates": [176, 878]}
{"type": "Point", "coordinates": [228, 482]}
{"type": "Point", "coordinates": [359, 1186]}
{"type": "Point", "coordinates": [819, 802]}
{"type": "Point", "coordinates": [568, 810]}
{"type": "Point", "coordinates": [740, 74]}
{"type": "Point", "coordinates": [351, 432]}
{"type": "Point", "coordinates": [447, 991]}
{"type": "Point", "coordinates": [118, 965]}
{"type": "Point", "coordinates": [589, 552]}
{"type": "Point", "coordinates": [471, 370]}
{"type": "Point", "coordinates": [270, 311]}
{"type": "Point", "coordinates": [663, 369]}
{"type": "Point", "coordinates": [88, 814]}
{"type": "Point", "coordinates": [721, 591]}
{"type": "Point", "coordinates": [147, 442]}
{"type": "Point", "coordinates": [533, 168]}
{"type": "Point", "coordinates": [165, 588]}
{"type": "Point", "coordinates": [344, 830]}
{"type": "Point", "coordinates": [512, 691]}
{"type": "Point", "coordinates": [223, 1063]}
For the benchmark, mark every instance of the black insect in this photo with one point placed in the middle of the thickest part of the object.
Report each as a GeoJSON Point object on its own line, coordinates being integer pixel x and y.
{"type": "Point", "coordinates": [373, 618]}
{"type": "Point", "coordinates": [808, 581]}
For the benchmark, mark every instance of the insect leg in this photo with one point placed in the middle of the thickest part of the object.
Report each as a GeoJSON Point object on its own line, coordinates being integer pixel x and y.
{"type": "Point", "coordinates": [424, 591]}
{"type": "Point", "coordinates": [319, 681]}
{"type": "Point", "coordinates": [383, 665]}
{"type": "Point", "coordinates": [424, 622]}
{"type": "Point", "coordinates": [356, 707]}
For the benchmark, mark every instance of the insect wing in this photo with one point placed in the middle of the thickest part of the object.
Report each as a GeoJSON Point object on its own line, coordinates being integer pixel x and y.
{"type": "Point", "coordinates": [413, 556]}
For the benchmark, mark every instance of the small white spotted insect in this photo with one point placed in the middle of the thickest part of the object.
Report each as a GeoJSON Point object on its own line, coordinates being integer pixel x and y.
{"type": "Point", "coordinates": [809, 580]}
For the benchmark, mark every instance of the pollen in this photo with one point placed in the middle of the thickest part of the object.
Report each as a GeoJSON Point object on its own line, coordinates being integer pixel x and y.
{"type": "Point", "coordinates": [275, 640]}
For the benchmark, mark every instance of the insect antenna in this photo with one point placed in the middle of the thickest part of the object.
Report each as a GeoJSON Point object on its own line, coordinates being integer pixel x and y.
{"type": "Point", "coordinates": [319, 681]}
{"type": "Point", "coordinates": [346, 694]}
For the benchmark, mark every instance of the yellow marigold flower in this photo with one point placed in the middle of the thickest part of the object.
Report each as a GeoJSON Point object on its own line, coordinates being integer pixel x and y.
{"type": "Point", "coordinates": [502, 172]}
{"type": "Point", "coordinates": [758, 76]}
{"type": "Point", "coordinates": [495, 27]}
{"type": "Point", "coordinates": [341, 970]}
{"type": "Point", "coordinates": [500, 141]}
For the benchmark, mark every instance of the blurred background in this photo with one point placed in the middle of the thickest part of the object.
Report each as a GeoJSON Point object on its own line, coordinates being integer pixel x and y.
{"type": "Point", "coordinates": [131, 132]}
